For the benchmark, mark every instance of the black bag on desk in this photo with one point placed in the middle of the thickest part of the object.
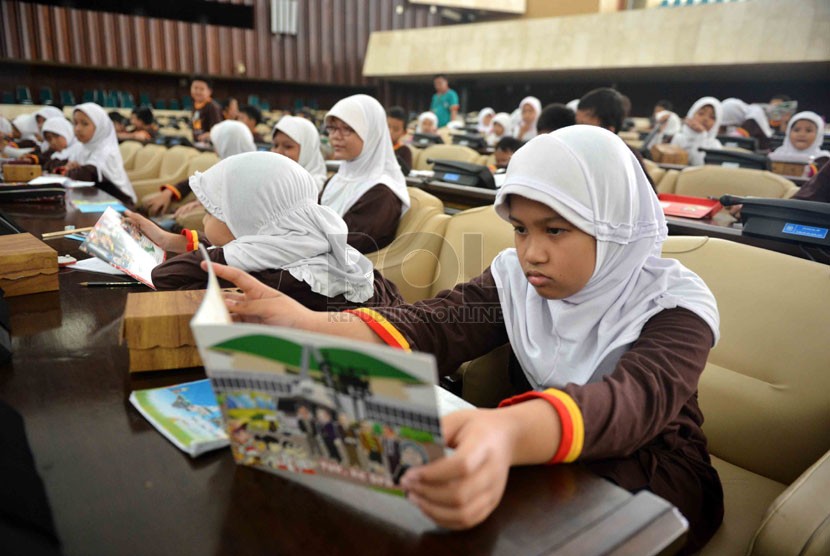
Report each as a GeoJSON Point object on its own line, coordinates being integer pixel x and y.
{"type": "Point", "coordinates": [736, 159]}
{"type": "Point", "coordinates": [25, 193]}
{"type": "Point", "coordinates": [463, 173]}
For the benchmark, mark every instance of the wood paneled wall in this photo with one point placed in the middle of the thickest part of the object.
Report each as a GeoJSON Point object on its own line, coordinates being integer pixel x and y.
{"type": "Point", "coordinates": [328, 49]}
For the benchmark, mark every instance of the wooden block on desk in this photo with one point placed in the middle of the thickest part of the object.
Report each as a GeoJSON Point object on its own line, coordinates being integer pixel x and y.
{"type": "Point", "coordinates": [27, 265]}
{"type": "Point", "coordinates": [21, 172]}
{"type": "Point", "coordinates": [669, 154]}
{"type": "Point", "coordinates": [787, 168]}
{"type": "Point", "coordinates": [156, 328]}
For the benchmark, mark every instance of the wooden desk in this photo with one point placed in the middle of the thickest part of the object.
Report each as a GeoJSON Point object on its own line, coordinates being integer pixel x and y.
{"type": "Point", "coordinates": [117, 486]}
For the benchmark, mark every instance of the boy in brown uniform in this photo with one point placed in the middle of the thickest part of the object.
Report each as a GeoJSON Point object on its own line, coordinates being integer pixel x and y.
{"type": "Point", "coordinates": [206, 111]}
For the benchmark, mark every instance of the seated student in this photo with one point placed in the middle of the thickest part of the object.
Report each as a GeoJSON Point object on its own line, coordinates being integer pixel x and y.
{"type": "Point", "coordinates": [485, 120]}
{"type": "Point", "coordinates": [297, 138]}
{"type": "Point", "coordinates": [251, 116]}
{"type": "Point", "coordinates": [505, 149]}
{"type": "Point", "coordinates": [24, 132]}
{"type": "Point", "coordinates": [555, 116]}
{"type": "Point", "coordinates": [263, 217]}
{"type": "Point", "coordinates": [605, 107]}
{"type": "Point", "coordinates": [369, 190]}
{"type": "Point", "coordinates": [608, 339]}
{"type": "Point", "coordinates": [99, 159]}
{"type": "Point", "coordinates": [427, 123]}
{"type": "Point", "coordinates": [229, 138]}
{"type": "Point", "coordinates": [40, 117]}
{"type": "Point", "coordinates": [63, 146]}
{"type": "Point", "coordinates": [667, 122]}
{"type": "Point", "coordinates": [700, 130]}
{"type": "Point", "coordinates": [499, 129]}
{"type": "Point", "coordinates": [780, 126]}
{"type": "Point", "coordinates": [396, 121]}
{"type": "Point", "coordinates": [230, 108]}
{"type": "Point", "coordinates": [816, 188]}
{"type": "Point", "coordinates": [529, 110]}
{"type": "Point", "coordinates": [805, 134]}
{"type": "Point", "coordinates": [740, 118]}
{"type": "Point", "coordinates": [143, 124]}
{"type": "Point", "coordinates": [206, 111]}
{"type": "Point", "coordinates": [119, 122]}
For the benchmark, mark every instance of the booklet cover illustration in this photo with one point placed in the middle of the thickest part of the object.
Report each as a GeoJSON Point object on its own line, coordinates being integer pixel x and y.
{"type": "Point", "coordinates": [186, 414]}
{"type": "Point", "coordinates": [123, 246]}
{"type": "Point", "coordinates": [319, 405]}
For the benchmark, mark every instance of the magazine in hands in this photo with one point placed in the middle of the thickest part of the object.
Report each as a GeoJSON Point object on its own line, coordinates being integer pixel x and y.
{"type": "Point", "coordinates": [331, 413]}
{"type": "Point", "coordinates": [123, 246]}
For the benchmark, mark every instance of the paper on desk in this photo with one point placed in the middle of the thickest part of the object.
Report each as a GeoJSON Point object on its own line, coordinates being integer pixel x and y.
{"type": "Point", "coordinates": [98, 206]}
{"type": "Point", "coordinates": [68, 183]}
{"type": "Point", "coordinates": [94, 264]}
{"type": "Point", "coordinates": [421, 173]}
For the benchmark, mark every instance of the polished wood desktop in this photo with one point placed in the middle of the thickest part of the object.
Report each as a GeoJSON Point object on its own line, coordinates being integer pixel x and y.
{"type": "Point", "coordinates": [117, 486]}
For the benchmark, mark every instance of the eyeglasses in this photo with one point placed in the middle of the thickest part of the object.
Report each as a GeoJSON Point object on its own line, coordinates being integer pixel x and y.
{"type": "Point", "coordinates": [345, 131]}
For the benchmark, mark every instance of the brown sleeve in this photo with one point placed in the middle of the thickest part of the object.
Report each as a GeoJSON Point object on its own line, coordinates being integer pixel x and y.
{"type": "Point", "coordinates": [88, 172]}
{"type": "Point", "coordinates": [456, 325]}
{"type": "Point", "coordinates": [212, 115]}
{"type": "Point", "coordinates": [405, 155]}
{"type": "Point", "coordinates": [183, 187]}
{"type": "Point", "coordinates": [817, 188]}
{"type": "Point", "coordinates": [183, 272]}
{"type": "Point", "coordinates": [649, 388]}
{"type": "Point", "coordinates": [754, 130]}
{"type": "Point", "coordinates": [373, 219]}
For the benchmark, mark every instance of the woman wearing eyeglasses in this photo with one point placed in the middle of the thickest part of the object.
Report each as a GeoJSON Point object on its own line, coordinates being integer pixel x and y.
{"type": "Point", "coordinates": [369, 190]}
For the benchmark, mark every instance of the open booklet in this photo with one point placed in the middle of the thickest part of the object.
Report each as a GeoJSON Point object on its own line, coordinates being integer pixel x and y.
{"type": "Point", "coordinates": [316, 407]}
{"type": "Point", "coordinates": [123, 246]}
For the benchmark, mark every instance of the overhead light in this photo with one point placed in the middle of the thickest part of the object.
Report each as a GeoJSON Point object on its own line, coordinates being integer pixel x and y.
{"type": "Point", "coordinates": [451, 14]}
{"type": "Point", "coordinates": [399, 9]}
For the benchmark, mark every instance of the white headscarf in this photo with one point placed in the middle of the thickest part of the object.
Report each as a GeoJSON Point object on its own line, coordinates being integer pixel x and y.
{"type": "Point", "coordinates": [231, 137]}
{"type": "Point", "coordinates": [303, 132]}
{"type": "Point", "coordinates": [532, 132]}
{"type": "Point", "coordinates": [61, 126]}
{"type": "Point", "coordinates": [376, 163]}
{"type": "Point", "coordinates": [672, 127]}
{"type": "Point", "coordinates": [691, 140]}
{"type": "Point", "coordinates": [27, 126]}
{"type": "Point", "coordinates": [736, 112]}
{"type": "Point", "coordinates": [573, 105]}
{"type": "Point", "coordinates": [102, 150]}
{"type": "Point", "coordinates": [482, 127]}
{"type": "Point", "coordinates": [591, 178]}
{"type": "Point", "coordinates": [269, 203]}
{"type": "Point", "coordinates": [815, 149]}
{"type": "Point", "coordinates": [49, 112]}
{"type": "Point", "coordinates": [5, 126]}
{"type": "Point", "coordinates": [503, 119]}
{"type": "Point", "coordinates": [426, 116]}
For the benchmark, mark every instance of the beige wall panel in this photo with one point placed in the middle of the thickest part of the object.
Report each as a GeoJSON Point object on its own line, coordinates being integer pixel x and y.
{"type": "Point", "coordinates": [504, 6]}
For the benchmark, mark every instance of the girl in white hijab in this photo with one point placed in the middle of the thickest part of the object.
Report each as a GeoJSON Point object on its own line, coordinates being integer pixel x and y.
{"type": "Point", "coordinates": [427, 123]}
{"type": "Point", "coordinates": [61, 140]}
{"type": "Point", "coordinates": [700, 130]}
{"type": "Point", "coordinates": [233, 137]}
{"type": "Point", "coordinates": [369, 189]}
{"type": "Point", "coordinates": [738, 115]}
{"type": "Point", "coordinates": [668, 124]}
{"type": "Point", "coordinates": [263, 217]}
{"type": "Point", "coordinates": [805, 134]}
{"type": "Point", "coordinates": [485, 120]}
{"type": "Point", "coordinates": [99, 159]}
{"type": "Point", "coordinates": [499, 128]}
{"type": "Point", "coordinates": [529, 109]}
{"type": "Point", "coordinates": [298, 139]}
{"type": "Point", "coordinates": [25, 129]}
{"type": "Point", "coordinates": [5, 128]}
{"type": "Point", "coordinates": [609, 339]}
{"type": "Point", "coordinates": [40, 117]}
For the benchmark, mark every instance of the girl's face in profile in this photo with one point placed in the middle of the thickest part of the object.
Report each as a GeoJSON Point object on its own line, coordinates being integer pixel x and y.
{"type": "Point", "coordinates": [802, 134]}
{"type": "Point", "coordinates": [487, 119]}
{"type": "Point", "coordinates": [557, 258]}
{"type": "Point", "coordinates": [498, 129]}
{"type": "Point", "coordinates": [84, 128]}
{"type": "Point", "coordinates": [56, 142]}
{"type": "Point", "coordinates": [344, 140]}
{"type": "Point", "coordinates": [286, 146]}
{"type": "Point", "coordinates": [428, 126]}
{"type": "Point", "coordinates": [528, 113]}
{"type": "Point", "coordinates": [705, 116]}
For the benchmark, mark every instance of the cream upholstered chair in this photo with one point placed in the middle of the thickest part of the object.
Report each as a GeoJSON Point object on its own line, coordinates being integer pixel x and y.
{"type": "Point", "coordinates": [654, 171]}
{"type": "Point", "coordinates": [199, 163]}
{"type": "Point", "coordinates": [446, 152]}
{"type": "Point", "coordinates": [128, 151]}
{"type": "Point", "coordinates": [147, 162]}
{"type": "Point", "coordinates": [409, 261]}
{"type": "Point", "coordinates": [173, 169]}
{"type": "Point", "coordinates": [765, 396]}
{"type": "Point", "coordinates": [668, 182]}
{"type": "Point", "coordinates": [714, 181]}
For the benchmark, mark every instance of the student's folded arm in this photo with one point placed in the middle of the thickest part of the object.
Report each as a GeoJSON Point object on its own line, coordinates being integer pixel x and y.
{"type": "Point", "coordinates": [183, 272]}
{"type": "Point", "coordinates": [88, 172]}
{"type": "Point", "coordinates": [647, 390]}
{"type": "Point", "coordinates": [373, 219]}
{"type": "Point", "coordinates": [456, 326]}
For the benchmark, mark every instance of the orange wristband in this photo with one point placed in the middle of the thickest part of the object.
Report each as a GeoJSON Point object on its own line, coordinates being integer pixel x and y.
{"type": "Point", "coordinates": [172, 189]}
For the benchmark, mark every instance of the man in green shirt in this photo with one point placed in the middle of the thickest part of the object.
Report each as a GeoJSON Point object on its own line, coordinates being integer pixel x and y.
{"type": "Point", "coordinates": [444, 101]}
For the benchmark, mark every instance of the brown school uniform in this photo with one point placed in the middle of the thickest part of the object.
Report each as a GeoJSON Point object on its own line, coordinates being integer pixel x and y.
{"type": "Point", "coordinates": [180, 190]}
{"type": "Point", "coordinates": [642, 421]}
{"type": "Point", "coordinates": [90, 173]}
{"type": "Point", "coordinates": [49, 164]}
{"type": "Point", "coordinates": [183, 272]}
{"type": "Point", "coordinates": [817, 188]}
{"type": "Point", "coordinates": [404, 154]}
{"type": "Point", "coordinates": [373, 219]}
{"type": "Point", "coordinates": [754, 130]}
{"type": "Point", "coordinates": [204, 117]}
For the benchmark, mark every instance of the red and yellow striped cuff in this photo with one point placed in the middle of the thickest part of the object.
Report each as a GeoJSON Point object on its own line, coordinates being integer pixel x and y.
{"type": "Point", "coordinates": [570, 417]}
{"type": "Point", "coordinates": [192, 239]}
{"type": "Point", "coordinates": [813, 170]}
{"type": "Point", "coordinates": [172, 189]}
{"type": "Point", "coordinates": [742, 132]}
{"type": "Point", "coordinates": [382, 327]}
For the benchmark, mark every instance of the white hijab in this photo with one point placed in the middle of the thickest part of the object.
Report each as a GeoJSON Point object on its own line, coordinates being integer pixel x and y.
{"type": "Point", "coordinates": [231, 137]}
{"type": "Point", "coordinates": [61, 126]}
{"type": "Point", "coordinates": [573, 105]}
{"type": "Point", "coordinates": [426, 116]}
{"type": "Point", "coordinates": [102, 150]}
{"type": "Point", "coordinates": [815, 149]}
{"type": "Point", "coordinates": [5, 127]}
{"type": "Point", "coordinates": [269, 203]}
{"type": "Point", "coordinates": [590, 177]}
{"type": "Point", "coordinates": [532, 132]}
{"type": "Point", "coordinates": [303, 132]}
{"type": "Point", "coordinates": [736, 112]}
{"type": "Point", "coordinates": [482, 127]}
{"type": "Point", "coordinates": [376, 163]}
{"type": "Point", "coordinates": [46, 112]}
{"type": "Point", "coordinates": [672, 127]}
{"type": "Point", "coordinates": [27, 126]}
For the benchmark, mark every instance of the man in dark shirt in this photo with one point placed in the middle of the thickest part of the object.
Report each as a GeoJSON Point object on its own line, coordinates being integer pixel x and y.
{"type": "Point", "coordinates": [206, 111]}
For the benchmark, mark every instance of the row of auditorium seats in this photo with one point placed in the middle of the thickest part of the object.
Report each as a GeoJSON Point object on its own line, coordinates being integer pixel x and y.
{"type": "Point", "coordinates": [151, 166]}
{"type": "Point", "coordinates": [763, 391]}
{"type": "Point", "coordinates": [714, 181]}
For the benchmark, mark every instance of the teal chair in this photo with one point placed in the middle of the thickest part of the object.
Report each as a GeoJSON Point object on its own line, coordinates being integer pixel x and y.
{"type": "Point", "coordinates": [187, 103]}
{"type": "Point", "coordinates": [24, 96]}
{"type": "Point", "coordinates": [174, 104]}
{"type": "Point", "coordinates": [46, 95]}
{"type": "Point", "coordinates": [144, 99]}
{"type": "Point", "coordinates": [161, 105]}
{"type": "Point", "coordinates": [88, 96]}
{"type": "Point", "coordinates": [67, 98]}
